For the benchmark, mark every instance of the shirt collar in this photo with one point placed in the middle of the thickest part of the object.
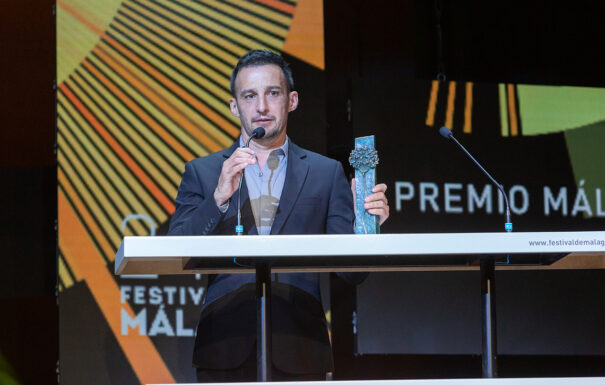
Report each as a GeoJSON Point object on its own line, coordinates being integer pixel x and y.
{"type": "Point", "coordinates": [284, 147]}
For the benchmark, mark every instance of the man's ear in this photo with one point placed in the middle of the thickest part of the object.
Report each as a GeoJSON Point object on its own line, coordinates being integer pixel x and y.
{"type": "Point", "coordinates": [292, 101]}
{"type": "Point", "coordinates": [233, 107]}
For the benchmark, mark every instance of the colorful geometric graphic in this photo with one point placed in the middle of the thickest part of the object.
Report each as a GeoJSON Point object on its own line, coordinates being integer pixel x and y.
{"type": "Point", "coordinates": [143, 88]}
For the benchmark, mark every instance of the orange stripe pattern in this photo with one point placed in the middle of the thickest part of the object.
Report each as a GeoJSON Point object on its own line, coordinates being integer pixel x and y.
{"type": "Point", "coordinates": [162, 199]}
{"type": "Point", "coordinates": [468, 109]}
{"type": "Point", "coordinates": [81, 254]}
{"type": "Point", "coordinates": [430, 112]}
{"type": "Point", "coordinates": [450, 106]}
{"type": "Point", "coordinates": [150, 95]}
{"type": "Point", "coordinates": [284, 7]}
{"type": "Point", "coordinates": [512, 110]}
{"type": "Point", "coordinates": [451, 98]}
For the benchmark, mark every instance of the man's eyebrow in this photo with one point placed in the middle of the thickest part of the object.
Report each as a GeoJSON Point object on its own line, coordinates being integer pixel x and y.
{"type": "Point", "coordinates": [244, 92]}
{"type": "Point", "coordinates": [252, 90]}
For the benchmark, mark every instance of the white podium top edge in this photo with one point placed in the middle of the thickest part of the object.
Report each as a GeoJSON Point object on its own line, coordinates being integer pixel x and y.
{"type": "Point", "coordinates": [171, 248]}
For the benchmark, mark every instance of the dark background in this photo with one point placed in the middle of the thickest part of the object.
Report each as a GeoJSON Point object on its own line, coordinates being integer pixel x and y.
{"type": "Point", "coordinates": [29, 321]}
{"type": "Point", "coordinates": [380, 59]}
{"type": "Point", "coordinates": [378, 54]}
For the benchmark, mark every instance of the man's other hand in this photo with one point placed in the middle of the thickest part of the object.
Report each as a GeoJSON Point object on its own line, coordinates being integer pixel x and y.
{"type": "Point", "coordinates": [231, 173]}
{"type": "Point", "coordinates": [376, 203]}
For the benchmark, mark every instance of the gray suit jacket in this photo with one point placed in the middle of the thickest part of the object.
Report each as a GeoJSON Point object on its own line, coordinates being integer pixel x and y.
{"type": "Point", "coordinates": [316, 199]}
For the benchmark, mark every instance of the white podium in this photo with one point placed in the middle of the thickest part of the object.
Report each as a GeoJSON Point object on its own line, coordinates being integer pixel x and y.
{"type": "Point", "coordinates": [307, 253]}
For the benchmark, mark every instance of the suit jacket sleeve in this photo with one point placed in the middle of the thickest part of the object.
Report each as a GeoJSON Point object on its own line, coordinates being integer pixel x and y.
{"type": "Point", "coordinates": [340, 209]}
{"type": "Point", "coordinates": [196, 211]}
{"type": "Point", "coordinates": [340, 216]}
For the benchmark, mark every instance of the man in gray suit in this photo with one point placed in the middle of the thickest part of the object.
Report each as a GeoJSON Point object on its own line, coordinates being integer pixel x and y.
{"type": "Point", "coordinates": [286, 190]}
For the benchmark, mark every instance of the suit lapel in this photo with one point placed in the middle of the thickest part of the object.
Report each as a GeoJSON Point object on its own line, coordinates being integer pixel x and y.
{"type": "Point", "coordinates": [296, 174]}
{"type": "Point", "coordinates": [229, 151]}
{"type": "Point", "coordinates": [246, 209]}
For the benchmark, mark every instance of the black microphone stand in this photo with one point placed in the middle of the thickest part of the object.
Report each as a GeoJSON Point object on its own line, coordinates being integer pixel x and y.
{"type": "Point", "coordinates": [263, 294]}
{"type": "Point", "coordinates": [488, 282]}
{"type": "Point", "coordinates": [239, 229]}
{"type": "Point", "coordinates": [446, 133]}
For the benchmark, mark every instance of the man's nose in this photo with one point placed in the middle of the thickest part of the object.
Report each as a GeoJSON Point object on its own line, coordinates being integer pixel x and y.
{"type": "Point", "coordinates": [261, 106]}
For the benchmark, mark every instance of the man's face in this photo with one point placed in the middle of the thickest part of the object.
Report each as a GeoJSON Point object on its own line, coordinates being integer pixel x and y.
{"type": "Point", "coordinates": [262, 100]}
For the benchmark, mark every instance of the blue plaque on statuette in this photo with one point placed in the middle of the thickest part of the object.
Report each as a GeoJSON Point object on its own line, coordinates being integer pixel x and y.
{"type": "Point", "coordinates": [364, 159]}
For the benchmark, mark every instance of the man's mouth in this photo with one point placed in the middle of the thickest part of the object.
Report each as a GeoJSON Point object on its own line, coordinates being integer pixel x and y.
{"type": "Point", "coordinates": [262, 120]}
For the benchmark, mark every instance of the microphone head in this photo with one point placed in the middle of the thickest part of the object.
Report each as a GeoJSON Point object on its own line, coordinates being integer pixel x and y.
{"type": "Point", "coordinates": [258, 133]}
{"type": "Point", "coordinates": [445, 132]}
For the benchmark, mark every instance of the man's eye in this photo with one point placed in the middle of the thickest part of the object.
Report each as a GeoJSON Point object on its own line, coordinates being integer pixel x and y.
{"type": "Point", "coordinates": [274, 93]}
{"type": "Point", "coordinates": [249, 96]}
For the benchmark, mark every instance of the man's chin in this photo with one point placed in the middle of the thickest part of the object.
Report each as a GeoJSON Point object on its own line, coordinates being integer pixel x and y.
{"type": "Point", "coordinates": [270, 138]}
{"type": "Point", "coordinates": [270, 135]}
{"type": "Point", "coordinates": [270, 132]}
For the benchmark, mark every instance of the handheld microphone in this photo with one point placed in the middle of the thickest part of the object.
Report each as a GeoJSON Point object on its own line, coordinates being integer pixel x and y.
{"type": "Point", "coordinates": [258, 133]}
{"type": "Point", "coordinates": [447, 133]}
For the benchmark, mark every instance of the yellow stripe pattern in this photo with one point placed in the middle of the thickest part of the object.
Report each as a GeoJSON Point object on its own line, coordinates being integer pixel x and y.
{"type": "Point", "coordinates": [149, 95]}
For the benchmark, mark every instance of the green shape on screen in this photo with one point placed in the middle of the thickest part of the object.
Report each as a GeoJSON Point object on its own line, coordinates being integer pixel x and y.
{"type": "Point", "coordinates": [7, 376]}
{"type": "Point", "coordinates": [551, 109]}
{"type": "Point", "coordinates": [586, 148]}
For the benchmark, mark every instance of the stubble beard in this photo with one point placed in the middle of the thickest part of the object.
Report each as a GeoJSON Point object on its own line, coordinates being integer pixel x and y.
{"type": "Point", "coordinates": [270, 135]}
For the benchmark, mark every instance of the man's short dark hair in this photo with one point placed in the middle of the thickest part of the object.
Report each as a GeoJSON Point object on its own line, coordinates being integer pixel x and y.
{"type": "Point", "coordinates": [260, 57]}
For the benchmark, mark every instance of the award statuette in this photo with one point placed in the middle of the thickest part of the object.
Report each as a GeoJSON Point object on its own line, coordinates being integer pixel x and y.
{"type": "Point", "coordinates": [364, 159]}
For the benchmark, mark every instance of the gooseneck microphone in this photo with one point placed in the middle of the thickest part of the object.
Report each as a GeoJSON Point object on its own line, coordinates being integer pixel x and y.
{"type": "Point", "coordinates": [447, 133]}
{"type": "Point", "coordinates": [258, 133]}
